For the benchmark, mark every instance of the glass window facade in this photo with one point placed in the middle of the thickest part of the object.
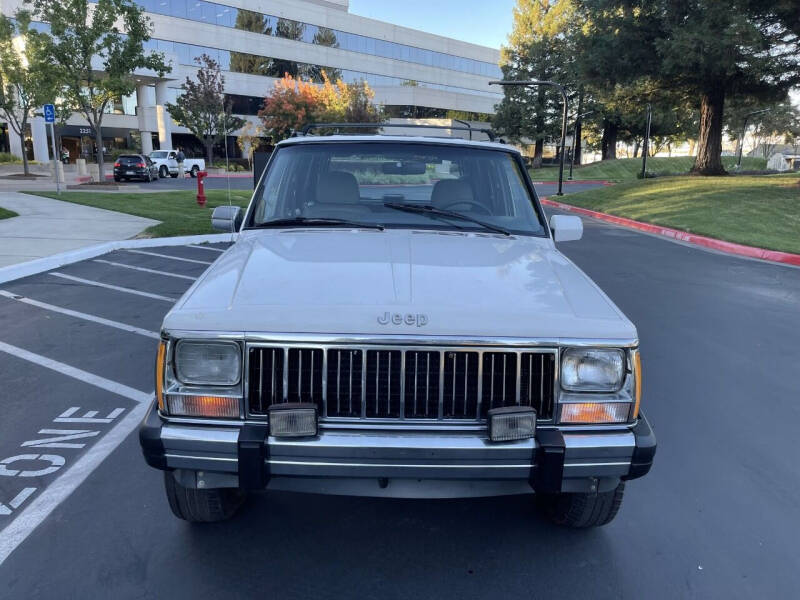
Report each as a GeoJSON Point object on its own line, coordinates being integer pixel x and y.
{"type": "Point", "coordinates": [228, 16]}
{"type": "Point", "coordinates": [254, 64]}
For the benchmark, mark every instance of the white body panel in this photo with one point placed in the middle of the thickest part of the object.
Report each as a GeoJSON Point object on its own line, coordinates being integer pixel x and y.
{"type": "Point", "coordinates": [342, 281]}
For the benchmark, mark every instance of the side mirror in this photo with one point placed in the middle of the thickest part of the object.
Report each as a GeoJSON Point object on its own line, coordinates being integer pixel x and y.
{"type": "Point", "coordinates": [227, 218]}
{"type": "Point", "coordinates": [566, 228]}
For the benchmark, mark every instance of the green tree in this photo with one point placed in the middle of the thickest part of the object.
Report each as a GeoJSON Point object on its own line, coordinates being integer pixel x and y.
{"type": "Point", "coordinates": [201, 106]}
{"type": "Point", "coordinates": [540, 47]}
{"type": "Point", "coordinates": [27, 78]}
{"type": "Point", "coordinates": [94, 57]}
{"type": "Point", "coordinates": [324, 37]}
{"type": "Point", "coordinates": [706, 49]}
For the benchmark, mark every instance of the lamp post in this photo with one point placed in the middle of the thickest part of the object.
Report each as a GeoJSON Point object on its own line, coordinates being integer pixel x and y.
{"type": "Point", "coordinates": [646, 140]}
{"type": "Point", "coordinates": [535, 82]}
{"type": "Point", "coordinates": [578, 121]}
{"type": "Point", "coordinates": [744, 132]}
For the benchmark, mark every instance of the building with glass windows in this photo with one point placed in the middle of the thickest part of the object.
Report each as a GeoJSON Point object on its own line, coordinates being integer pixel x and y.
{"type": "Point", "coordinates": [414, 74]}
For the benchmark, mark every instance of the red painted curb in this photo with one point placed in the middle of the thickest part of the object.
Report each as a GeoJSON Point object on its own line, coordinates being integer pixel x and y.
{"type": "Point", "coordinates": [691, 238]}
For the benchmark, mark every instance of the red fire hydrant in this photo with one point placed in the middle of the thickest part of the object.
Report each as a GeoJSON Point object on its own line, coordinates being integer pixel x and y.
{"type": "Point", "coordinates": [201, 191]}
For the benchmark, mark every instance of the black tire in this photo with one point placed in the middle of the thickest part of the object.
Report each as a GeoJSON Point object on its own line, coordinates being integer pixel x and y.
{"type": "Point", "coordinates": [193, 171]}
{"type": "Point", "coordinates": [202, 506]}
{"type": "Point", "coordinates": [163, 171]}
{"type": "Point", "coordinates": [174, 176]}
{"type": "Point", "coordinates": [581, 510]}
{"type": "Point", "coordinates": [117, 179]}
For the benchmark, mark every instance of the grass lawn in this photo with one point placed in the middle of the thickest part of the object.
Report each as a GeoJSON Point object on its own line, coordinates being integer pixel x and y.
{"type": "Point", "coordinates": [625, 169]}
{"type": "Point", "coordinates": [756, 210]}
{"type": "Point", "coordinates": [178, 211]}
{"type": "Point", "coordinates": [7, 214]}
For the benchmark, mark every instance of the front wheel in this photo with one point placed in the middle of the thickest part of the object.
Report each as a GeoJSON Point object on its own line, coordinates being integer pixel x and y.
{"type": "Point", "coordinates": [163, 171]}
{"type": "Point", "coordinates": [581, 510]}
{"type": "Point", "coordinates": [194, 171]}
{"type": "Point", "coordinates": [202, 506]}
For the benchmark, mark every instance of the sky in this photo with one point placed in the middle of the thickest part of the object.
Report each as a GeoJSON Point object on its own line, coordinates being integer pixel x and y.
{"type": "Point", "coordinates": [484, 22]}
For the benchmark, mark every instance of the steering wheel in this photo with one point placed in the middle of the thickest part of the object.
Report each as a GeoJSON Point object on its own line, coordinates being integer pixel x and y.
{"type": "Point", "coordinates": [476, 205]}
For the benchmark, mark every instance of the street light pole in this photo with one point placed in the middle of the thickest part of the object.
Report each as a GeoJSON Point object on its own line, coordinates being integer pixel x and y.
{"type": "Point", "coordinates": [578, 120]}
{"type": "Point", "coordinates": [564, 101]}
{"type": "Point", "coordinates": [646, 140]}
{"type": "Point", "coordinates": [744, 132]}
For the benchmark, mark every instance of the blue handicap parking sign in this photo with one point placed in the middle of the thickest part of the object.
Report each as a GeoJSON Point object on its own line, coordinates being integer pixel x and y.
{"type": "Point", "coordinates": [49, 113]}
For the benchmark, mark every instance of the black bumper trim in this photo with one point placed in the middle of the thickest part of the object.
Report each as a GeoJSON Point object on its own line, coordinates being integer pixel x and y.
{"type": "Point", "coordinates": [150, 439]}
{"type": "Point", "coordinates": [546, 477]}
{"type": "Point", "coordinates": [645, 450]}
{"type": "Point", "coordinates": [253, 454]}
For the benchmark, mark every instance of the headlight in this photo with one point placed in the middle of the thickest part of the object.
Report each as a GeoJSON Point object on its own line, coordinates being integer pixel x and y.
{"type": "Point", "coordinates": [592, 369]}
{"type": "Point", "coordinates": [208, 363]}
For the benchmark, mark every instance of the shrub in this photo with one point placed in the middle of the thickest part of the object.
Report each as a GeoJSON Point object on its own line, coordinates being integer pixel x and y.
{"type": "Point", "coordinates": [7, 157]}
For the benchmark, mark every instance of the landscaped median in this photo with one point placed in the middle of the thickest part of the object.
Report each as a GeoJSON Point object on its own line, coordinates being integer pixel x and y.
{"type": "Point", "coordinates": [178, 212]}
{"type": "Point", "coordinates": [628, 169]}
{"type": "Point", "coordinates": [761, 211]}
{"type": "Point", "coordinates": [7, 214]}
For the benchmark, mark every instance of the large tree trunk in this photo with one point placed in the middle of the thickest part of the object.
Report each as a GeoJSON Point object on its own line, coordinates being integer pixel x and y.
{"type": "Point", "coordinates": [609, 141]}
{"type": "Point", "coordinates": [709, 142]}
{"type": "Point", "coordinates": [98, 141]}
{"type": "Point", "coordinates": [577, 142]}
{"type": "Point", "coordinates": [538, 149]}
{"type": "Point", "coordinates": [636, 148]}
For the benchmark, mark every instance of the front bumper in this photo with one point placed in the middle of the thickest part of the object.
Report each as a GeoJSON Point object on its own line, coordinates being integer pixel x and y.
{"type": "Point", "coordinates": [553, 461]}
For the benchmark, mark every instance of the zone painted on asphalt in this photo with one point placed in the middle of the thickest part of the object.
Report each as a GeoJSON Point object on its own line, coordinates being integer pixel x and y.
{"type": "Point", "coordinates": [76, 356]}
{"type": "Point", "coordinates": [716, 517]}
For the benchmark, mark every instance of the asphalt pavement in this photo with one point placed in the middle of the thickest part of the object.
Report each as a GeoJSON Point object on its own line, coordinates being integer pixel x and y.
{"type": "Point", "coordinates": [717, 517]}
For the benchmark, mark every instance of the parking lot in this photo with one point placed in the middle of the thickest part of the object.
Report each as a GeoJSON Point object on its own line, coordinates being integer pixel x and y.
{"type": "Point", "coordinates": [82, 516]}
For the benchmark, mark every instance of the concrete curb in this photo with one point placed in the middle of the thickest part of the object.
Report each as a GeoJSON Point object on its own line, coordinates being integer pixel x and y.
{"type": "Point", "coordinates": [46, 263]}
{"type": "Point", "coordinates": [691, 238]}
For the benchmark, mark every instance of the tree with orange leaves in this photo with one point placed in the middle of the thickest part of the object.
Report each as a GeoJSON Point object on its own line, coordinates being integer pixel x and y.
{"type": "Point", "coordinates": [294, 102]}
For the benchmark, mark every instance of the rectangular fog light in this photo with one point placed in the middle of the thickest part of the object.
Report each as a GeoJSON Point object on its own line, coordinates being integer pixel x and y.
{"type": "Point", "coordinates": [293, 419]}
{"type": "Point", "coordinates": [203, 406]}
{"type": "Point", "coordinates": [595, 412]}
{"type": "Point", "coordinates": [512, 423]}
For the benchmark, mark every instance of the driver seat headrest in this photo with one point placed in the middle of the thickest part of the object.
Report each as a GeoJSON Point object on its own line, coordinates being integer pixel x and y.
{"type": "Point", "coordinates": [451, 191]}
{"type": "Point", "coordinates": [337, 187]}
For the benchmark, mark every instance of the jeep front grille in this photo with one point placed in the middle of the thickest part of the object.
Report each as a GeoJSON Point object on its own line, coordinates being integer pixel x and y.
{"type": "Point", "coordinates": [401, 383]}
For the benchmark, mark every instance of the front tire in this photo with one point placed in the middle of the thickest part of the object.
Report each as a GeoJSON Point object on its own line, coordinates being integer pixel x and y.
{"type": "Point", "coordinates": [194, 170]}
{"type": "Point", "coordinates": [201, 506]}
{"type": "Point", "coordinates": [582, 510]}
{"type": "Point", "coordinates": [163, 172]}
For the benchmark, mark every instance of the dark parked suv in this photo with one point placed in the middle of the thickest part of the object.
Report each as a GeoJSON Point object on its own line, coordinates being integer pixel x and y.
{"type": "Point", "coordinates": [135, 166]}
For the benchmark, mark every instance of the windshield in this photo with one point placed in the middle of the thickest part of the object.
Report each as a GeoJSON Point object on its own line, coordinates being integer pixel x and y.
{"type": "Point", "coordinates": [365, 181]}
{"type": "Point", "coordinates": [158, 154]}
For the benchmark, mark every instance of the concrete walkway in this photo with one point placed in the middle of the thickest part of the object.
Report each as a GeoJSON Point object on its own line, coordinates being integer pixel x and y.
{"type": "Point", "coordinates": [46, 227]}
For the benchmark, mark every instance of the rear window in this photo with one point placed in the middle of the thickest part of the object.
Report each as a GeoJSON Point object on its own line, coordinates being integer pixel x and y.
{"type": "Point", "coordinates": [129, 159]}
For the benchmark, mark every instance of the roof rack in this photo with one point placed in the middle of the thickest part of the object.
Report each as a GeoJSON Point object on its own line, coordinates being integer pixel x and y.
{"type": "Point", "coordinates": [307, 128]}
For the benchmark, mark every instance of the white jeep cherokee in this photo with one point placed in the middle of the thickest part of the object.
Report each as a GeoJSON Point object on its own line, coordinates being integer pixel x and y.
{"type": "Point", "coordinates": [394, 319]}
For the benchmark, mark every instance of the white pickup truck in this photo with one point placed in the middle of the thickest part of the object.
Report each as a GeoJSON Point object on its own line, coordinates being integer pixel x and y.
{"type": "Point", "coordinates": [167, 162]}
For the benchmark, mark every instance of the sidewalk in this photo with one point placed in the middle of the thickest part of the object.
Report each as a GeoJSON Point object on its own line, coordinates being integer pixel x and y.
{"type": "Point", "coordinates": [46, 227]}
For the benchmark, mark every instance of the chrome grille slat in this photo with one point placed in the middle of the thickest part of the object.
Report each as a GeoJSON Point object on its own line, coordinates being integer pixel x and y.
{"type": "Point", "coordinates": [427, 384]}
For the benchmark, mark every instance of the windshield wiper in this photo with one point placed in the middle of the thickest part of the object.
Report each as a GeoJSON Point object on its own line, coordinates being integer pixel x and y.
{"type": "Point", "coordinates": [432, 211]}
{"type": "Point", "coordinates": [315, 222]}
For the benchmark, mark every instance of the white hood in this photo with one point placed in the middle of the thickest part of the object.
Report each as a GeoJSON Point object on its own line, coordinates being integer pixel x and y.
{"type": "Point", "coordinates": [337, 281]}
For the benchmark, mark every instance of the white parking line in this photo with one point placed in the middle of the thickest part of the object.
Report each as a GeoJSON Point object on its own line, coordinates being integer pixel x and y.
{"type": "Point", "coordinates": [205, 248]}
{"type": "Point", "coordinates": [191, 260]}
{"type": "Point", "coordinates": [80, 315]}
{"type": "Point", "coordinates": [40, 508]}
{"type": "Point", "coordinates": [143, 269]}
{"type": "Point", "coordinates": [112, 287]}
